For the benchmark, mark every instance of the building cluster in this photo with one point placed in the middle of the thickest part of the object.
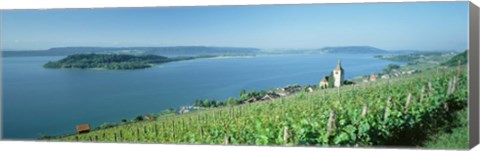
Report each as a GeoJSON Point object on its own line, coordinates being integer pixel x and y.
{"type": "Point", "coordinates": [337, 75]}
{"type": "Point", "coordinates": [375, 77]}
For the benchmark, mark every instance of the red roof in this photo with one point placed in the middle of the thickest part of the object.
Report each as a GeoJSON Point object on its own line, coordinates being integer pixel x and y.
{"type": "Point", "coordinates": [83, 128]}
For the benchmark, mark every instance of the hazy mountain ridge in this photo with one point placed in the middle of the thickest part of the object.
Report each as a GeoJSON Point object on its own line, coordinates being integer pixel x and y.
{"type": "Point", "coordinates": [174, 50]}
{"type": "Point", "coordinates": [352, 49]}
{"type": "Point", "coordinates": [330, 50]}
{"type": "Point", "coordinates": [207, 50]}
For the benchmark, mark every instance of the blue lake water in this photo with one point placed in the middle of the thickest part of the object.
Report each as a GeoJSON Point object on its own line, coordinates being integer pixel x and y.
{"type": "Point", "coordinates": [38, 101]}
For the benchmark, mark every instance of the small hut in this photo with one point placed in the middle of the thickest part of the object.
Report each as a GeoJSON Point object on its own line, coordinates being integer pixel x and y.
{"type": "Point", "coordinates": [373, 77]}
{"type": "Point", "coordinates": [324, 82]}
{"type": "Point", "coordinates": [84, 128]}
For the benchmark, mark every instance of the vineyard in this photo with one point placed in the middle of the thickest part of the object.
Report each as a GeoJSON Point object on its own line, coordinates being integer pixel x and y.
{"type": "Point", "coordinates": [396, 112]}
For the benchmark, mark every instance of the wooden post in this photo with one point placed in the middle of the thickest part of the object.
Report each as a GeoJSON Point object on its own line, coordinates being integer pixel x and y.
{"type": "Point", "coordinates": [365, 110]}
{"type": "Point", "coordinates": [331, 123]}
{"type": "Point", "coordinates": [76, 138]}
{"type": "Point", "coordinates": [96, 138]}
{"type": "Point", "coordinates": [409, 98]}
{"type": "Point", "coordinates": [285, 135]}
{"type": "Point", "coordinates": [121, 135]}
{"type": "Point", "coordinates": [324, 94]}
{"type": "Point", "coordinates": [454, 84]}
{"type": "Point", "coordinates": [155, 128]}
{"type": "Point", "coordinates": [144, 130]}
{"type": "Point", "coordinates": [183, 123]}
{"type": "Point", "coordinates": [338, 92]}
{"type": "Point", "coordinates": [422, 93]}
{"type": "Point", "coordinates": [198, 118]}
{"type": "Point", "coordinates": [179, 123]}
{"type": "Point", "coordinates": [115, 137]}
{"type": "Point", "coordinates": [173, 130]}
{"type": "Point", "coordinates": [90, 138]}
{"type": "Point", "coordinates": [430, 89]}
{"type": "Point", "coordinates": [103, 135]}
{"type": "Point", "coordinates": [445, 105]}
{"type": "Point", "coordinates": [459, 69]}
{"type": "Point", "coordinates": [239, 110]}
{"type": "Point", "coordinates": [449, 90]}
{"type": "Point", "coordinates": [227, 140]}
{"type": "Point", "coordinates": [163, 126]}
{"type": "Point", "coordinates": [387, 108]}
{"type": "Point", "coordinates": [201, 132]}
{"type": "Point", "coordinates": [213, 116]}
{"type": "Point", "coordinates": [388, 83]}
{"type": "Point", "coordinates": [137, 135]}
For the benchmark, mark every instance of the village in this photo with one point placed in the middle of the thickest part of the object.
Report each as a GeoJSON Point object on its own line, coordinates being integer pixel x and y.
{"type": "Point", "coordinates": [334, 80]}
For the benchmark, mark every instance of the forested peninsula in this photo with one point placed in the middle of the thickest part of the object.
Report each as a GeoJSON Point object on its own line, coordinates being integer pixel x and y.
{"type": "Point", "coordinates": [113, 61]}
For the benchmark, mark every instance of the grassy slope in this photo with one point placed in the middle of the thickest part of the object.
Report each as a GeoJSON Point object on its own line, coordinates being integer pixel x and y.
{"type": "Point", "coordinates": [304, 114]}
{"type": "Point", "coordinates": [452, 137]}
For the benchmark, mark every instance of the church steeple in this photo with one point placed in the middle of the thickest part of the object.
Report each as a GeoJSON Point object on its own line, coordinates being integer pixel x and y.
{"type": "Point", "coordinates": [339, 66]}
{"type": "Point", "coordinates": [338, 74]}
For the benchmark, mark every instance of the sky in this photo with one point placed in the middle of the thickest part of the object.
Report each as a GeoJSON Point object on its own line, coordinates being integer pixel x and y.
{"type": "Point", "coordinates": [390, 26]}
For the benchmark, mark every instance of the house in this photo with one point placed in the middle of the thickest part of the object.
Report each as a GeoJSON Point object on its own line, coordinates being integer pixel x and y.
{"type": "Point", "coordinates": [270, 96]}
{"type": "Point", "coordinates": [373, 77]}
{"type": "Point", "coordinates": [310, 88]}
{"type": "Point", "coordinates": [84, 128]}
{"type": "Point", "coordinates": [385, 76]}
{"type": "Point", "coordinates": [149, 117]}
{"type": "Point", "coordinates": [324, 82]}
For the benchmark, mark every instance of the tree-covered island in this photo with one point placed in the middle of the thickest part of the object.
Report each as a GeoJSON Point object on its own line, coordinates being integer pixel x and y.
{"type": "Point", "coordinates": [113, 61]}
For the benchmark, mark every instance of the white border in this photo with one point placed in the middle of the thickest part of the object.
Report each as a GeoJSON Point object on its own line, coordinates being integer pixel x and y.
{"type": "Point", "coordinates": [61, 146]}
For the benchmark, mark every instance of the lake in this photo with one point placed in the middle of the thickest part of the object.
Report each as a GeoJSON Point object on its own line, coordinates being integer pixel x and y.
{"type": "Point", "coordinates": [39, 101]}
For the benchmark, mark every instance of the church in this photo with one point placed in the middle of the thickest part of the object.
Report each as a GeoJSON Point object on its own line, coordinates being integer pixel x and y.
{"type": "Point", "coordinates": [336, 78]}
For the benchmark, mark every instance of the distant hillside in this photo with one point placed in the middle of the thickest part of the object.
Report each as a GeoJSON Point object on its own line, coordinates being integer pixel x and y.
{"type": "Point", "coordinates": [462, 57]}
{"type": "Point", "coordinates": [330, 50]}
{"type": "Point", "coordinates": [175, 50]}
{"type": "Point", "coordinates": [352, 49]}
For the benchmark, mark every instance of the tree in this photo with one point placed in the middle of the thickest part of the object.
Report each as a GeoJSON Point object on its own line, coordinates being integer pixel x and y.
{"type": "Point", "coordinates": [106, 125]}
{"type": "Point", "coordinates": [206, 103]}
{"type": "Point", "coordinates": [138, 118]}
{"type": "Point", "coordinates": [331, 80]}
{"type": "Point", "coordinates": [168, 112]}
{"type": "Point", "coordinates": [231, 101]}
{"type": "Point", "coordinates": [347, 82]}
{"type": "Point", "coordinates": [391, 67]}
{"type": "Point", "coordinates": [124, 121]}
{"type": "Point", "coordinates": [242, 92]}
{"type": "Point", "coordinates": [198, 103]}
{"type": "Point", "coordinates": [213, 103]}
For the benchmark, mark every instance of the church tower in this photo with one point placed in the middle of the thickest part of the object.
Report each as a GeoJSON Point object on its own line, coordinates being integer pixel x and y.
{"type": "Point", "coordinates": [338, 75]}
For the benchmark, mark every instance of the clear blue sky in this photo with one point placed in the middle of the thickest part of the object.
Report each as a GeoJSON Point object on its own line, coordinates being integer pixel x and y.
{"type": "Point", "coordinates": [391, 26]}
